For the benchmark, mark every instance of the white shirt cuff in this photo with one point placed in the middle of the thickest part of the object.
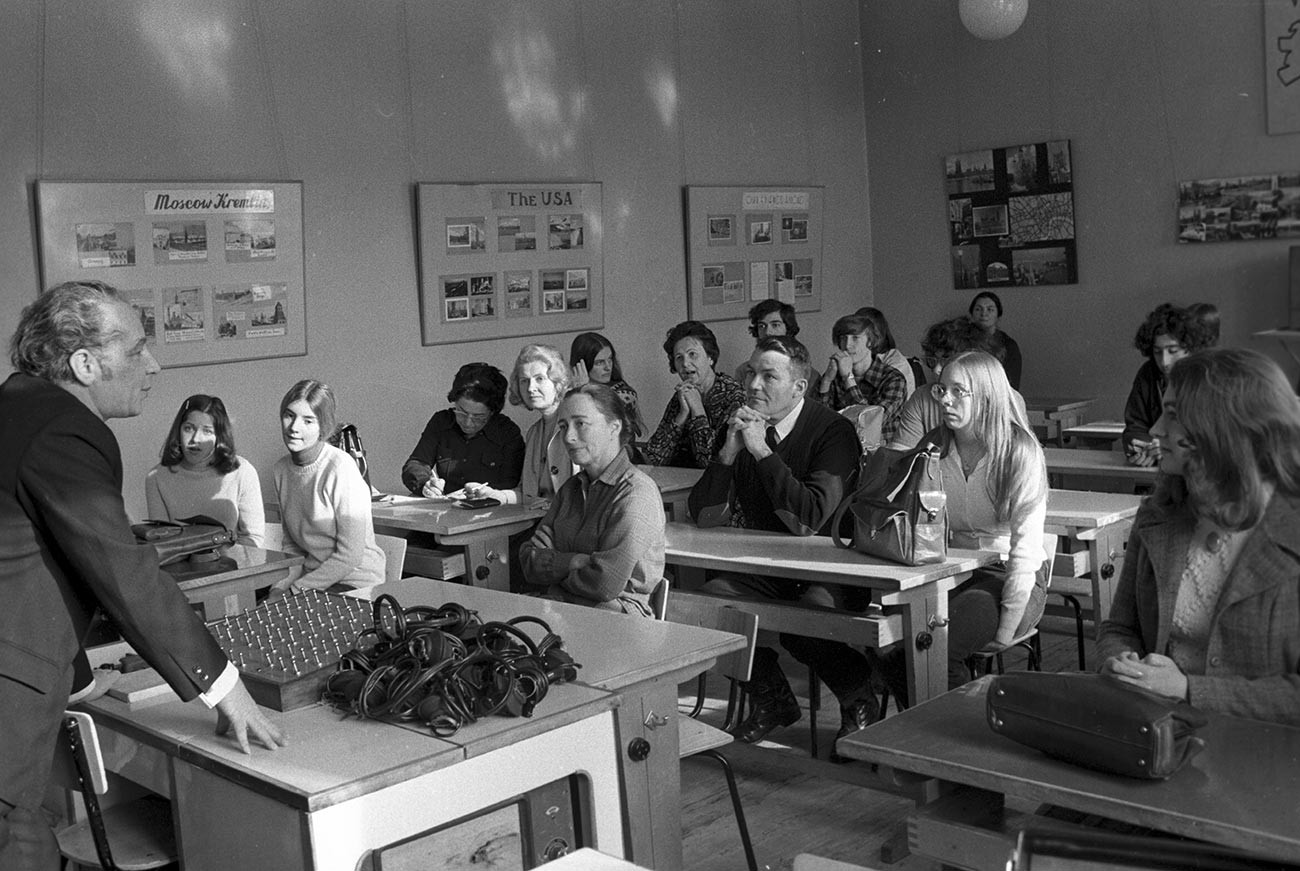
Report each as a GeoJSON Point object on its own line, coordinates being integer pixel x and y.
{"type": "Point", "coordinates": [224, 683]}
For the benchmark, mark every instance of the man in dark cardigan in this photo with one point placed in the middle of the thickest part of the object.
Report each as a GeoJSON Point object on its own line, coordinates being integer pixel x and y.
{"type": "Point", "coordinates": [784, 464]}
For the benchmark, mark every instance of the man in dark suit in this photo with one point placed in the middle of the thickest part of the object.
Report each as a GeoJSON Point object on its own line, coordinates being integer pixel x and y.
{"type": "Point", "coordinates": [66, 548]}
{"type": "Point", "coordinates": [783, 464]}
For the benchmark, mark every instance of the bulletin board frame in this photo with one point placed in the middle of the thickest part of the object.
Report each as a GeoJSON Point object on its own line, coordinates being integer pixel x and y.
{"type": "Point", "coordinates": [745, 244]}
{"type": "Point", "coordinates": [214, 268]}
{"type": "Point", "coordinates": [506, 259]}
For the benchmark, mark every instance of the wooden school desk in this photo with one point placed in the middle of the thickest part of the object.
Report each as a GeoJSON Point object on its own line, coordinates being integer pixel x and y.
{"type": "Point", "coordinates": [1095, 528]}
{"type": "Point", "coordinates": [483, 533]}
{"type": "Point", "coordinates": [1098, 435]}
{"type": "Point", "coordinates": [1242, 791]}
{"type": "Point", "coordinates": [233, 590]}
{"type": "Point", "coordinates": [674, 483]}
{"type": "Point", "coordinates": [343, 787]}
{"type": "Point", "coordinates": [642, 661]}
{"type": "Point", "coordinates": [1051, 415]}
{"type": "Point", "coordinates": [914, 599]}
{"type": "Point", "coordinates": [1107, 467]}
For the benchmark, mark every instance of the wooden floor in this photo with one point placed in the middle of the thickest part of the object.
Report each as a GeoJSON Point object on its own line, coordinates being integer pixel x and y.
{"type": "Point", "coordinates": [792, 811]}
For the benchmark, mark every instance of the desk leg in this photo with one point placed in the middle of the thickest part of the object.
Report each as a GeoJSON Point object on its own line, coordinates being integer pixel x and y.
{"type": "Point", "coordinates": [925, 634]}
{"type": "Point", "coordinates": [652, 785]}
{"type": "Point", "coordinates": [1106, 553]}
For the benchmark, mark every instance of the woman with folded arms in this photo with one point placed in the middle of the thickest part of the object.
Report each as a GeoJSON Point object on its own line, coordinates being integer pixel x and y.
{"type": "Point", "coordinates": [200, 473]}
{"type": "Point", "coordinates": [1208, 603]}
{"type": "Point", "coordinates": [602, 541]}
{"type": "Point", "coordinates": [471, 442]}
{"type": "Point", "coordinates": [538, 382]}
{"type": "Point", "coordinates": [324, 501]}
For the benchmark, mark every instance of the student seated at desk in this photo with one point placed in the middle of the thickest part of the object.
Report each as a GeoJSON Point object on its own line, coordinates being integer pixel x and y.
{"type": "Point", "coordinates": [858, 375]}
{"type": "Point", "coordinates": [538, 382]}
{"type": "Point", "coordinates": [1168, 334]}
{"type": "Point", "coordinates": [324, 501]}
{"type": "Point", "coordinates": [1208, 604]}
{"type": "Point", "coordinates": [592, 358]}
{"type": "Point", "coordinates": [471, 442]}
{"type": "Point", "coordinates": [887, 347]}
{"type": "Point", "coordinates": [200, 473]}
{"type": "Point", "coordinates": [995, 479]}
{"type": "Point", "coordinates": [703, 400]}
{"type": "Point", "coordinates": [771, 317]}
{"type": "Point", "coordinates": [985, 311]}
{"type": "Point", "coordinates": [943, 341]}
{"type": "Point", "coordinates": [602, 541]}
{"type": "Point", "coordinates": [783, 463]}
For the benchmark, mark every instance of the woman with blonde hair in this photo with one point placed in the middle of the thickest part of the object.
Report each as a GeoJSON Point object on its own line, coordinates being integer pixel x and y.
{"type": "Point", "coordinates": [538, 382]}
{"type": "Point", "coordinates": [1208, 603]}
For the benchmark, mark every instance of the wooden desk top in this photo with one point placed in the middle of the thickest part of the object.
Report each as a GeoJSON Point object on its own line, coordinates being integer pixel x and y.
{"type": "Point", "coordinates": [440, 517]}
{"type": "Point", "coordinates": [1098, 428]}
{"type": "Point", "coordinates": [805, 558]}
{"type": "Point", "coordinates": [1051, 404]}
{"type": "Point", "coordinates": [615, 650]}
{"type": "Point", "coordinates": [672, 479]}
{"type": "Point", "coordinates": [322, 765]}
{"type": "Point", "coordinates": [1103, 463]}
{"type": "Point", "coordinates": [1084, 509]}
{"type": "Point", "coordinates": [1242, 790]}
{"type": "Point", "coordinates": [249, 561]}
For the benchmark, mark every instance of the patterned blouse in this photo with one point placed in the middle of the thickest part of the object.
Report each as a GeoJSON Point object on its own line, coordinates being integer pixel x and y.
{"type": "Point", "coordinates": [691, 444]}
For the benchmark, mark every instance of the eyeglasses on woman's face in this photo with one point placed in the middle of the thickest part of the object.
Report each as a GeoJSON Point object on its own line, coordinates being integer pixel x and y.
{"type": "Point", "coordinates": [469, 416]}
{"type": "Point", "coordinates": [941, 391]}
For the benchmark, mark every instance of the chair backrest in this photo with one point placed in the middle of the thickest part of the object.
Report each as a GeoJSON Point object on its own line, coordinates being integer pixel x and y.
{"type": "Point", "coordinates": [1049, 551]}
{"type": "Point", "coordinates": [707, 612]}
{"type": "Point", "coordinates": [273, 537]}
{"type": "Point", "coordinates": [659, 599]}
{"type": "Point", "coordinates": [394, 548]}
{"type": "Point", "coordinates": [868, 421]}
{"type": "Point", "coordinates": [918, 372]}
{"type": "Point", "coordinates": [80, 742]}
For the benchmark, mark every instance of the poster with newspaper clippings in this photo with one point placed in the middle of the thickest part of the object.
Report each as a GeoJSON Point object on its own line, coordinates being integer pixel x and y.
{"type": "Point", "coordinates": [514, 259]}
{"type": "Point", "coordinates": [774, 241]}
{"type": "Point", "coordinates": [214, 269]}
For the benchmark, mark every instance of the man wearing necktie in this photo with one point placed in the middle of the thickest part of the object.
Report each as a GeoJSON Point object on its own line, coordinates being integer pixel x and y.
{"type": "Point", "coordinates": [783, 464]}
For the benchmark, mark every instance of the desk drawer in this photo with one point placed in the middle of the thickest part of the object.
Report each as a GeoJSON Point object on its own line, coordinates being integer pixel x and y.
{"type": "Point", "coordinates": [1072, 565]}
{"type": "Point", "coordinates": [429, 562]}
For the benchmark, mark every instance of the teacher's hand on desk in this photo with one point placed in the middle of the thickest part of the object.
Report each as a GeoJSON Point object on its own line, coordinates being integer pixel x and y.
{"type": "Point", "coordinates": [1153, 672]}
{"type": "Point", "coordinates": [238, 712]}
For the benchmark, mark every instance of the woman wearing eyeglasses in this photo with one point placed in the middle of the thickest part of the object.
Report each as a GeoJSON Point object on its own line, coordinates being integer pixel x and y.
{"type": "Point", "coordinates": [995, 478]}
{"type": "Point", "coordinates": [470, 443]}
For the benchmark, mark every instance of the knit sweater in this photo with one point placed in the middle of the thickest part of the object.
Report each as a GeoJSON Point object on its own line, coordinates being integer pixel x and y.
{"type": "Point", "coordinates": [233, 499]}
{"type": "Point", "coordinates": [325, 511]}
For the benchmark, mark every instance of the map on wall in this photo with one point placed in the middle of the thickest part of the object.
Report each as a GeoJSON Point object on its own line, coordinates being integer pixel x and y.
{"type": "Point", "coordinates": [1011, 216]}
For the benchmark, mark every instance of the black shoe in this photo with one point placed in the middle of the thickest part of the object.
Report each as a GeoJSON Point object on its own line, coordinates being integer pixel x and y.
{"type": "Point", "coordinates": [767, 713]}
{"type": "Point", "coordinates": [853, 718]}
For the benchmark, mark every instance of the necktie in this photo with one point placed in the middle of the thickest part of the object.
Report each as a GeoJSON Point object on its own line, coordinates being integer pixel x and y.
{"type": "Point", "coordinates": [772, 439]}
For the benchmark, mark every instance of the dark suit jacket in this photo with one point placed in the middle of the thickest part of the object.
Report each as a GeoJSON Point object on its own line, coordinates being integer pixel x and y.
{"type": "Point", "coordinates": [1253, 659]}
{"type": "Point", "coordinates": [65, 547]}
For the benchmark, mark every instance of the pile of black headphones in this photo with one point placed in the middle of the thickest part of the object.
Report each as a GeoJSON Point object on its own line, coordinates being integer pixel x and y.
{"type": "Point", "coordinates": [445, 667]}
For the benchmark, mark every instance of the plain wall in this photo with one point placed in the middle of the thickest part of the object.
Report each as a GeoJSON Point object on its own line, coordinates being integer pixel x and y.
{"type": "Point", "coordinates": [1149, 93]}
{"type": "Point", "coordinates": [360, 101]}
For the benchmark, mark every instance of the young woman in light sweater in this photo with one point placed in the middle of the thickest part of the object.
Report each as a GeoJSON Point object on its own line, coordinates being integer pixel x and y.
{"type": "Point", "coordinates": [200, 473]}
{"type": "Point", "coordinates": [995, 478]}
{"type": "Point", "coordinates": [324, 501]}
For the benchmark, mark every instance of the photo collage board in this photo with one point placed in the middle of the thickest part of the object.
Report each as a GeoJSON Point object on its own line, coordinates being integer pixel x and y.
{"type": "Point", "coordinates": [502, 260]}
{"type": "Point", "coordinates": [214, 269]}
{"type": "Point", "coordinates": [748, 244]}
{"type": "Point", "coordinates": [1011, 216]}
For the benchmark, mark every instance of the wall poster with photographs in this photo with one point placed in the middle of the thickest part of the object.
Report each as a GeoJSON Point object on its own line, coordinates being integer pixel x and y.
{"type": "Point", "coordinates": [215, 269]}
{"type": "Point", "coordinates": [1011, 216]}
{"type": "Point", "coordinates": [1244, 207]}
{"type": "Point", "coordinates": [747, 244]}
{"type": "Point", "coordinates": [501, 260]}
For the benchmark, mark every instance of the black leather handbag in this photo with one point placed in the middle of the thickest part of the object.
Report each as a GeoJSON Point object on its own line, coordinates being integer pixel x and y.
{"type": "Point", "coordinates": [175, 540]}
{"type": "Point", "coordinates": [1095, 721]}
{"type": "Point", "coordinates": [348, 440]}
{"type": "Point", "coordinates": [900, 509]}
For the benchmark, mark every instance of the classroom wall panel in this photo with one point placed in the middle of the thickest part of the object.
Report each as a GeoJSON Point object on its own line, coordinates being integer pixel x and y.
{"type": "Point", "coordinates": [1148, 93]}
{"type": "Point", "coordinates": [361, 101]}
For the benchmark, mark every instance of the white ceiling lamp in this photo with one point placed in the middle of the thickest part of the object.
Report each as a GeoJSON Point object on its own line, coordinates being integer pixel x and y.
{"type": "Point", "coordinates": [992, 19]}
